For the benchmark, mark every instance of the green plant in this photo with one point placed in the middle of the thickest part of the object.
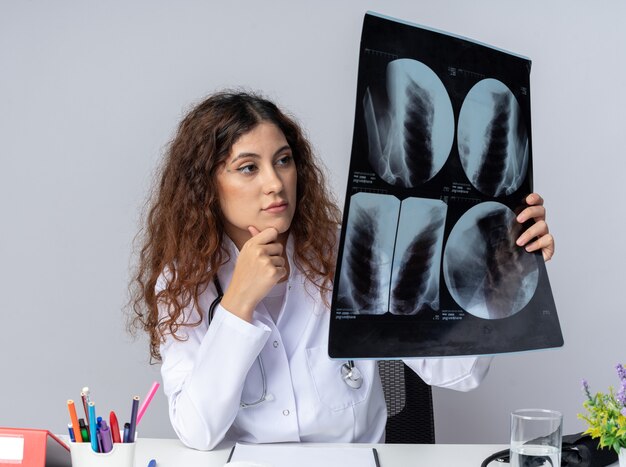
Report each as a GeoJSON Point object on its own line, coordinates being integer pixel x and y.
{"type": "Point", "coordinates": [606, 414]}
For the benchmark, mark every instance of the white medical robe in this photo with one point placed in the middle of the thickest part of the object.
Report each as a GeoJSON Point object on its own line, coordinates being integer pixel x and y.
{"type": "Point", "coordinates": [207, 376]}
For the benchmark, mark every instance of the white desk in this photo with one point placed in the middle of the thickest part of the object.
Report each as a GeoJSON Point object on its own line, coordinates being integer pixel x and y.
{"type": "Point", "coordinates": [172, 453]}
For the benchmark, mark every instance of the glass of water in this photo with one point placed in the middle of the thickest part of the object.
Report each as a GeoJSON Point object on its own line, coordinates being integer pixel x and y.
{"type": "Point", "coordinates": [536, 438]}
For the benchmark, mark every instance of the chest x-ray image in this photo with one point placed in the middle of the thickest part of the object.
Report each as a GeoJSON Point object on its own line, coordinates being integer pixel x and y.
{"type": "Point", "coordinates": [391, 255]}
{"type": "Point", "coordinates": [410, 134]}
{"type": "Point", "coordinates": [366, 265]}
{"type": "Point", "coordinates": [487, 274]}
{"type": "Point", "coordinates": [441, 164]}
{"type": "Point", "coordinates": [415, 276]}
{"type": "Point", "coordinates": [492, 138]}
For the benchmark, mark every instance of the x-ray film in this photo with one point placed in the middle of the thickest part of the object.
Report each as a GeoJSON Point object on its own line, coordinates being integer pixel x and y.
{"type": "Point", "coordinates": [441, 165]}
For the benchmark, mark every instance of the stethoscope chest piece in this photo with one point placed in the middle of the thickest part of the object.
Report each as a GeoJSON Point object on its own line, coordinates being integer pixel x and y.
{"type": "Point", "coordinates": [351, 375]}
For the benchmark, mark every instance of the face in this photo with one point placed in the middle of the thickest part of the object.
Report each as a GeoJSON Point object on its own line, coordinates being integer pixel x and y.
{"type": "Point", "coordinates": [257, 184]}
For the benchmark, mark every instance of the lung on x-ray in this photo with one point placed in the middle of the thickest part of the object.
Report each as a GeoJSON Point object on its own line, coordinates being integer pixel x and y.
{"type": "Point", "coordinates": [441, 165]}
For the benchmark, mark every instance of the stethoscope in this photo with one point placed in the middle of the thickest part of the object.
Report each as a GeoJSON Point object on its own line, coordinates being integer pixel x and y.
{"type": "Point", "coordinates": [350, 374]}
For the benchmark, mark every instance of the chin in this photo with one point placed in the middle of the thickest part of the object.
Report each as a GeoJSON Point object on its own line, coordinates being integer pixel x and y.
{"type": "Point", "coordinates": [282, 228]}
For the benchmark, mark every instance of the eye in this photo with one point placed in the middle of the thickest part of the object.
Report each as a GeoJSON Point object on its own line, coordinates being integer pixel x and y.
{"type": "Point", "coordinates": [247, 169]}
{"type": "Point", "coordinates": [284, 161]}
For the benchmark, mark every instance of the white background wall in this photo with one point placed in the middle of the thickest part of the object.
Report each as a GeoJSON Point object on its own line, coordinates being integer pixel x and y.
{"type": "Point", "coordinates": [90, 94]}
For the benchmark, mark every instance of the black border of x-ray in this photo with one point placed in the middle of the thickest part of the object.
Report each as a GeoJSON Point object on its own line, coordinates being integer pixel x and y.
{"type": "Point", "coordinates": [391, 336]}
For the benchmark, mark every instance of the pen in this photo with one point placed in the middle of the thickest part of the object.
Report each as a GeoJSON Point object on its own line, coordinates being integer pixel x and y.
{"type": "Point", "coordinates": [83, 397]}
{"type": "Point", "coordinates": [105, 435]}
{"type": "Point", "coordinates": [152, 463]}
{"type": "Point", "coordinates": [147, 400]}
{"type": "Point", "coordinates": [83, 430]}
{"type": "Point", "coordinates": [126, 432]}
{"type": "Point", "coordinates": [71, 432]}
{"type": "Point", "coordinates": [93, 428]}
{"type": "Point", "coordinates": [74, 419]}
{"type": "Point", "coordinates": [115, 428]}
{"type": "Point", "coordinates": [133, 420]}
{"type": "Point", "coordinates": [86, 392]}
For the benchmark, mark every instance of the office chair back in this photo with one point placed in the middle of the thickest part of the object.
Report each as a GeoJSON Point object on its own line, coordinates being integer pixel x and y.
{"type": "Point", "coordinates": [409, 404]}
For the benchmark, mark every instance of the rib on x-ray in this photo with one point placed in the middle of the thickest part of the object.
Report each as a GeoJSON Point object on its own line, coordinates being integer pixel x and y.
{"type": "Point", "coordinates": [363, 286]}
{"type": "Point", "coordinates": [416, 284]}
{"type": "Point", "coordinates": [360, 284]}
{"type": "Point", "coordinates": [410, 133]}
{"type": "Point", "coordinates": [485, 271]}
{"type": "Point", "coordinates": [493, 141]}
{"type": "Point", "coordinates": [362, 270]}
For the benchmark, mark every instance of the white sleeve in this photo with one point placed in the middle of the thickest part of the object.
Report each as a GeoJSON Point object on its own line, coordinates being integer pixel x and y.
{"type": "Point", "coordinates": [203, 376]}
{"type": "Point", "coordinates": [459, 373]}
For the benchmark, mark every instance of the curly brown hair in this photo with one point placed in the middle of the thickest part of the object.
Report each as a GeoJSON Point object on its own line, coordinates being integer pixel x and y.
{"type": "Point", "coordinates": [183, 229]}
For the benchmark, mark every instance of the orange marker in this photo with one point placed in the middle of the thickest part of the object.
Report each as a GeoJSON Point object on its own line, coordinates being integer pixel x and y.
{"type": "Point", "coordinates": [74, 419]}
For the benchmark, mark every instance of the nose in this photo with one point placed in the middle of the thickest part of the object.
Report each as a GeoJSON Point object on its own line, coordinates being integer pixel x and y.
{"type": "Point", "coordinates": [272, 183]}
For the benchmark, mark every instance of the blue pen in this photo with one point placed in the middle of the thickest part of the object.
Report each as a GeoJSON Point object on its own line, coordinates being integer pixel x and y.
{"type": "Point", "coordinates": [126, 432]}
{"type": "Point", "coordinates": [152, 463]}
{"type": "Point", "coordinates": [71, 430]}
{"type": "Point", "coordinates": [93, 427]}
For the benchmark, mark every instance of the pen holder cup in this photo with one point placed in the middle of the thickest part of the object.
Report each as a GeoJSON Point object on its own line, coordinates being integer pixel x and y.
{"type": "Point", "coordinates": [122, 455]}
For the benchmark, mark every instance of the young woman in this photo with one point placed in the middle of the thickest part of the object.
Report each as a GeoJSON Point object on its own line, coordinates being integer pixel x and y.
{"type": "Point", "coordinates": [242, 209]}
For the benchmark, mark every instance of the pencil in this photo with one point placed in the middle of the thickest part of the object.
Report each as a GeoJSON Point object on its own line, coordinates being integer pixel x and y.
{"type": "Point", "coordinates": [74, 419]}
{"type": "Point", "coordinates": [133, 420]}
{"type": "Point", "coordinates": [93, 427]}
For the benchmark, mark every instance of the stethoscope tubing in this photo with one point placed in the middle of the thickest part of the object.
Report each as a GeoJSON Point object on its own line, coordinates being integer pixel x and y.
{"type": "Point", "coordinates": [350, 374]}
{"type": "Point", "coordinates": [218, 299]}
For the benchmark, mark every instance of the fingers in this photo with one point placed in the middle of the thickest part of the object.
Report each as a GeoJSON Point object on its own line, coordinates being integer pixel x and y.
{"type": "Point", "coordinates": [264, 243]}
{"type": "Point", "coordinates": [545, 244]}
{"type": "Point", "coordinates": [271, 268]}
{"type": "Point", "coordinates": [543, 240]}
{"type": "Point", "coordinates": [264, 250]}
{"type": "Point", "coordinates": [259, 267]}
{"type": "Point", "coordinates": [532, 212]}
{"type": "Point", "coordinates": [534, 199]}
{"type": "Point", "coordinates": [538, 234]}
{"type": "Point", "coordinates": [538, 229]}
{"type": "Point", "coordinates": [272, 261]}
{"type": "Point", "coordinates": [263, 236]}
{"type": "Point", "coordinates": [535, 209]}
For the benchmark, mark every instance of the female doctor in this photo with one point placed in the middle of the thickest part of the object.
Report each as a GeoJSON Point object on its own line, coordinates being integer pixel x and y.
{"type": "Point", "coordinates": [242, 212]}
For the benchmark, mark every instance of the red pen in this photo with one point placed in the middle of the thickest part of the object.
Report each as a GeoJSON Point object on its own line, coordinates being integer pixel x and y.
{"type": "Point", "coordinates": [115, 428]}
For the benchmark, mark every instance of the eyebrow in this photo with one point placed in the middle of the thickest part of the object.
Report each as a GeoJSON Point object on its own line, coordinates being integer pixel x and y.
{"type": "Point", "coordinates": [243, 155]}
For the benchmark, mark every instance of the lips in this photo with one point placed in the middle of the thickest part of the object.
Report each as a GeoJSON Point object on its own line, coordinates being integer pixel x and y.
{"type": "Point", "coordinates": [278, 206]}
